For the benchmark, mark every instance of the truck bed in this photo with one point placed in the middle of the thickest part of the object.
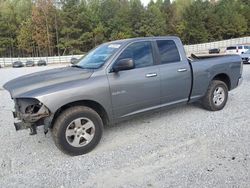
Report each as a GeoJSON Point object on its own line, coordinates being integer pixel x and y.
{"type": "Point", "coordinates": [205, 68]}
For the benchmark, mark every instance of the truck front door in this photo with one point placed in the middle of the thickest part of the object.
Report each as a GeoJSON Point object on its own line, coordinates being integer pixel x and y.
{"type": "Point", "coordinates": [136, 90]}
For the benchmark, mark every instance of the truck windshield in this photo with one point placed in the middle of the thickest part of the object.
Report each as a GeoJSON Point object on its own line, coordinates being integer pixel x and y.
{"type": "Point", "coordinates": [247, 52]}
{"type": "Point", "coordinates": [98, 56]}
{"type": "Point", "coordinates": [231, 48]}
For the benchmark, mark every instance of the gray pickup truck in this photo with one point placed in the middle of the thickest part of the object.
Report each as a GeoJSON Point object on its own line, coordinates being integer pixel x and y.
{"type": "Point", "coordinates": [115, 81]}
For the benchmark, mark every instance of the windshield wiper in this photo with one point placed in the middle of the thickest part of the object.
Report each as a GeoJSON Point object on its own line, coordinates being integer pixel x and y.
{"type": "Point", "coordinates": [77, 66]}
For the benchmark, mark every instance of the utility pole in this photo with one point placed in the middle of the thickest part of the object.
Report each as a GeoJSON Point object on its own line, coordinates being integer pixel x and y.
{"type": "Point", "coordinates": [57, 37]}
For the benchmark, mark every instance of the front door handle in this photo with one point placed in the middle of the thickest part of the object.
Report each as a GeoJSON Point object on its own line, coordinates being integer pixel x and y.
{"type": "Point", "coordinates": [182, 70]}
{"type": "Point", "coordinates": [149, 75]}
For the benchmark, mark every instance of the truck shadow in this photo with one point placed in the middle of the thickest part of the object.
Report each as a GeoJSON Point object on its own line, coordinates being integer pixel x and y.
{"type": "Point", "coordinates": [148, 117]}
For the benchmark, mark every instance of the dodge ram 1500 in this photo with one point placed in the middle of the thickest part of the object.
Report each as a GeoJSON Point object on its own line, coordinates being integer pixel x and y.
{"type": "Point", "coordinates": [116, 81]}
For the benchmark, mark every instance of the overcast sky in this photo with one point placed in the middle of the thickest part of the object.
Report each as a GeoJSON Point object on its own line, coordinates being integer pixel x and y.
{"type": "Point", "coordinates": [145, 2]}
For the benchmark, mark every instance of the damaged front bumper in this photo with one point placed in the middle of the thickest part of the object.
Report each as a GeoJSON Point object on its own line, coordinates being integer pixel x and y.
{"type": "Point", "coordinates": [30, 113]}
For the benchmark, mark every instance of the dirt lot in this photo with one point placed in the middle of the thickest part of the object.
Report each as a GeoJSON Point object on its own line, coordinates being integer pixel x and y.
{"type": "Point", "coordinates": [182, 147]}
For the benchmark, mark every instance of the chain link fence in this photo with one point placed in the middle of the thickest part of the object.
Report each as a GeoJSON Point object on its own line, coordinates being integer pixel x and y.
{"type": "Point", "coordinates": [4, 62]}
{"type": "Point", "coordinates": [196, 49]}
{"type": "Point", "coordinates": [204, 47]}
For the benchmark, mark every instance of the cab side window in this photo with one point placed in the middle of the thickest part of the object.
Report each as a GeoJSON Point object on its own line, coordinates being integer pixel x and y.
{"type": "Point", "coordinates": [168, 51]}
{"type": "Point", "coordinates": [140, 52]}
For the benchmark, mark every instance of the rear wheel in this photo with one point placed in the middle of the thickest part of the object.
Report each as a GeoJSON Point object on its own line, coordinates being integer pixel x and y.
{"type": "Point", "coordinates": [216, 96]}
{"type": "Point", "coordinates": [77, 130]}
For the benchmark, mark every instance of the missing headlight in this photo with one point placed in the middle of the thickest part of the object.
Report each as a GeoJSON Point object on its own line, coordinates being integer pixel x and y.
{"type": "Point", "coordinates": [33, 109]}
{"type": "Point", "coordinates": [24, 105]}
{"type": "Point", "coordinates": [30, 110]}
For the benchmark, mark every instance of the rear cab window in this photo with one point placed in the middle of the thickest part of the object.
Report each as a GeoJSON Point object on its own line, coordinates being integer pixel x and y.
{"type": "Point", "coordinates": [231, 48]}
{"type": "Point", "coordinates": [169, 52]}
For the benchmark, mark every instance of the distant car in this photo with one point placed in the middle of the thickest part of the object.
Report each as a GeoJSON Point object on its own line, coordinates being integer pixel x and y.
{"type": "Point", "coordinates": [74, 60]}
{"type": "Point", "coordinates": [41, 63]}
{"type": "Point", "coordinates": [237, 49]}
{"type": "Point", "coordinates": [17, 64]}
{"type": "Point", "coordinates": [214, 51]}
{"type": "Point", "coordinates": [30, 63]}
{"type": "Point", "coordinates": [246, 57]}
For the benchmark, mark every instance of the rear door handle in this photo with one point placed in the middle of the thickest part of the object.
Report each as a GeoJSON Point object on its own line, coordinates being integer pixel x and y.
{"type": "Point", "coordinates": [182, 70]}
{"type": "Point", "coordinates": [149, 75]}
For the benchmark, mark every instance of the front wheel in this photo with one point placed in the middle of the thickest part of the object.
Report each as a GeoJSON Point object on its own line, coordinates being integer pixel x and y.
{"type": "Point", "coordinates": [216, 96]}
{"type": "Point", "coordinates": [77, 130]}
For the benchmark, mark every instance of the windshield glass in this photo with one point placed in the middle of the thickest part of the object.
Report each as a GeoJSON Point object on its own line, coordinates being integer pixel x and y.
{"type": "Point", "coordinates": [247, 52]}
{"type": "Point", "coordinates": [231, 48]}
{"type": "Point", "coordinates": [98, 56]}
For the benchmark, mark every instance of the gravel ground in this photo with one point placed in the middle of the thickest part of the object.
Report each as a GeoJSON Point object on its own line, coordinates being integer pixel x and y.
{"type": "Point", "coordinates": [182, 147]}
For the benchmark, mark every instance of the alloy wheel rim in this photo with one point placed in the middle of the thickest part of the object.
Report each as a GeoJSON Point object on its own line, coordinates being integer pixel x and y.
{"type": "Point", "coordinates": [80, 132]}
{"type": "Point", "coordinates": [219, 96]}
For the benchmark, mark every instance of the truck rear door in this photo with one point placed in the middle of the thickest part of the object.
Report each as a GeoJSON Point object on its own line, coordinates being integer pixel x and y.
{"type": "Point", "coordinates": [175, 72]}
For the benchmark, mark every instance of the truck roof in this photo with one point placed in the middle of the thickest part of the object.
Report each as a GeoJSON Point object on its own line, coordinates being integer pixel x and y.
{"type": "Point", "coordinates": [144, 38]}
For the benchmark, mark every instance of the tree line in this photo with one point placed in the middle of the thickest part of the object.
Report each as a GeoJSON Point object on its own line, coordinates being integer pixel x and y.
{"type": "Point", "coordinates": [63, 27]}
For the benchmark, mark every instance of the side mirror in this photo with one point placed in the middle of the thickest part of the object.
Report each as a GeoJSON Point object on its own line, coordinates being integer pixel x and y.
{"type": "Point", "coordinates": [124, 64]}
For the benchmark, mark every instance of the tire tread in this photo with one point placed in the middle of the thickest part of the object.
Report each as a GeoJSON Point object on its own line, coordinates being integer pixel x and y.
{"type": "Point", "coordinates": [207, 102]}
{"type": "Point", "coordinates": [61, 120]}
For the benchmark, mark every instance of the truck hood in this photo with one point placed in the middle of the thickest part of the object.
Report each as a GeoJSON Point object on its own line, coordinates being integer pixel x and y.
{"type": "Point", "coordinates": [39, 80]}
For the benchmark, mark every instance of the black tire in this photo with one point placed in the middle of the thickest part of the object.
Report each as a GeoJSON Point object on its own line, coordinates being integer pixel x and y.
{"type": "Point", "coordinates": [207, 100]}
{"type": "Point", "coordinates": [65, 119]}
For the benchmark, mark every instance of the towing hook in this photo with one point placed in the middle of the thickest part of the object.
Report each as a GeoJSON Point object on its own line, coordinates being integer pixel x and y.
{"type": "Point", "coordinates": [33, 130]}
{"type": "Point", "coordinates": [14, 114]}
{"type": "Point", "coordinates": [19, 126]}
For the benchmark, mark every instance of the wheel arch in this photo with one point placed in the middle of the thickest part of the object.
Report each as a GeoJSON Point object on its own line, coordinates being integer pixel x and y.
{"type": "Point", "coordinates": [89, 103]}
{"type": "Point", "coordinates": [224, 78]}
